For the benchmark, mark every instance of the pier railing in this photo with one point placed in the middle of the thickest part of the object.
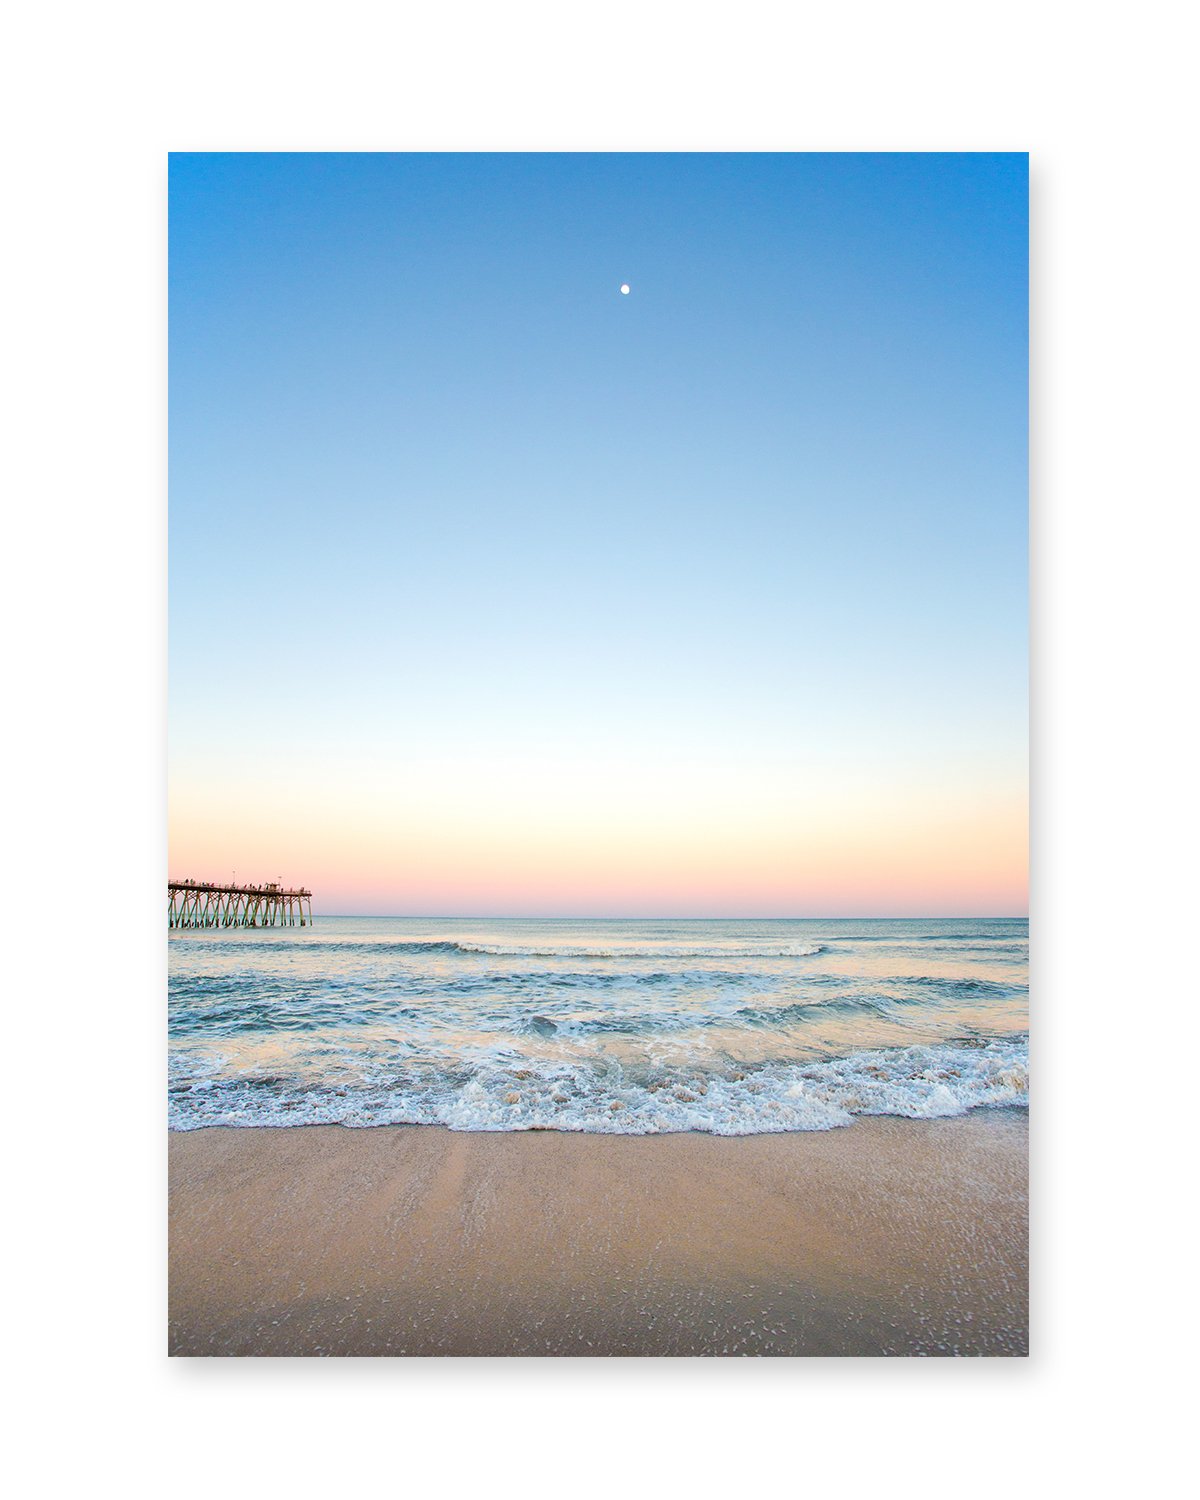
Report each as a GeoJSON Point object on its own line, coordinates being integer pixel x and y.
{"type": "Point", "coordinates": [201, 903]}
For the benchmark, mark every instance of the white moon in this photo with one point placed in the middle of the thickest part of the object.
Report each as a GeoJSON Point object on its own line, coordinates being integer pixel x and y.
{"type": "Point", "coordinates": [624, 289]}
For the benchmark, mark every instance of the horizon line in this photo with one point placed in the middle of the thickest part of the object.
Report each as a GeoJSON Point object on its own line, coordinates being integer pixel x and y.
{"type": "Point", "coordinates": [660, 917]}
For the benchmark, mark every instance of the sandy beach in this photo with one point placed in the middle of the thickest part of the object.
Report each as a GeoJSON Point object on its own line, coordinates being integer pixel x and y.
{"type": "Point", "coordinates": [889, 1237]}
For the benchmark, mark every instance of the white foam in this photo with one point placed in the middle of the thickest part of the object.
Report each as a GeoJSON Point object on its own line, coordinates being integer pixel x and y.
{"type": "Point", "coordinates": [522, 1094]}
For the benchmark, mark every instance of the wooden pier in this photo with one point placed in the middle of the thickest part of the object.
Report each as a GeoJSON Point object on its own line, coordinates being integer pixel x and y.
{"type": "Point", "coordinates": [197, 903]}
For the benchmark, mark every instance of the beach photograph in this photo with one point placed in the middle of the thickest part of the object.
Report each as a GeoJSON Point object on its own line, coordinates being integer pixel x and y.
{"type": "Point", "coordinates": [630, 570]}
{"type": "Point", "coordinates": [597, 755]}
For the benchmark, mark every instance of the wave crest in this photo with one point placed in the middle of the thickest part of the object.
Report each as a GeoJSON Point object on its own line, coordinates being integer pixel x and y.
{"type": "Point", "coordinates": [496, 950]}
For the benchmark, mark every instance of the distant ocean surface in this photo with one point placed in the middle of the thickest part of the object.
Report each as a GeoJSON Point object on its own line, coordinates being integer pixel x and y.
{"type": "Point", "coordinates": [617, 1027]}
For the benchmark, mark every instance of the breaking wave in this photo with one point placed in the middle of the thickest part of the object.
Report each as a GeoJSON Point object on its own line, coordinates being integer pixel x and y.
{"type": "Point", "coordinates": [492, 950]}
{"type": "Point", "coordinates": [920, 1083]}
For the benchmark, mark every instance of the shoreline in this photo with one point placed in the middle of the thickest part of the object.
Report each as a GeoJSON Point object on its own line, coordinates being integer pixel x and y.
{"type": "Point", "coordinates": [893, 1236]}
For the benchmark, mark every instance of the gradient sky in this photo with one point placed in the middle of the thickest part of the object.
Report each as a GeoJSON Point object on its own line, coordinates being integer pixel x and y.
{"type": "Point", "coordinates": [494, 591]}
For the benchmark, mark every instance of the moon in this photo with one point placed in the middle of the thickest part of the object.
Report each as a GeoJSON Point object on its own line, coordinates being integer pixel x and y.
{"type": "Point", "coordinates": [624, 289]}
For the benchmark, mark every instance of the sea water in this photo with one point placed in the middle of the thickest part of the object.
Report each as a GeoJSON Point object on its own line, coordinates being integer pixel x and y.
{"type": "Point", "coordinates": [625, 1027]}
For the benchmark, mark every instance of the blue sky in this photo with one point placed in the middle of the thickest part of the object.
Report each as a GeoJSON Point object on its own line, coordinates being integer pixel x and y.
{"type": "Point", "coordinates": [436, 483]}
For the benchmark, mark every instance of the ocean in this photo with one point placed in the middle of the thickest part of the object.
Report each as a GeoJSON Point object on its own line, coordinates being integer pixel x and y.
{"type": "Point", "coordinates": [620, 1027]}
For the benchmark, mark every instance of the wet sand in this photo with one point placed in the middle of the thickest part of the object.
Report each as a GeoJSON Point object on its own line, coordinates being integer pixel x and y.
{"type": "Point", "coordinates": [887, 1237]}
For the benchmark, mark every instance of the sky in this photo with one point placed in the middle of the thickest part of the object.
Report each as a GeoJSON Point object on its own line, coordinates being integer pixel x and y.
{"type": "Point", "coordinates": [494, 590]}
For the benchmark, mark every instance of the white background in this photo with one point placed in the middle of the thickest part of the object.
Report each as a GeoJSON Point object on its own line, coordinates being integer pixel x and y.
{"type": "Point", "coordinates": [93, 97]}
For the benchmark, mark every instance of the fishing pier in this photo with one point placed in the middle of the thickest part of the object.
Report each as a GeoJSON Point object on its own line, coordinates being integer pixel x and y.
{"type": "Point", "coordinates": [197, 903]}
